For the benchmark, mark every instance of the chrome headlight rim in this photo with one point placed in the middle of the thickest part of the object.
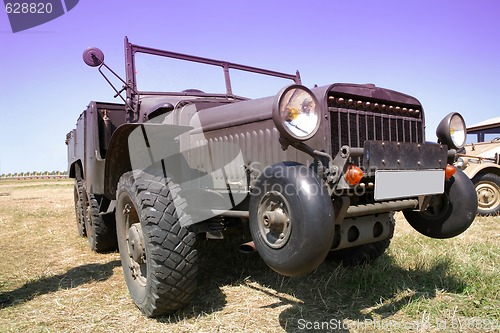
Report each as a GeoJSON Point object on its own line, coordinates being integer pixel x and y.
{"type": "Point", "coordinates": [462, 162]}
{"type": "Point", "coordinates": [285, 130]}
{"type": "Point", "coordinates": [445, 130]}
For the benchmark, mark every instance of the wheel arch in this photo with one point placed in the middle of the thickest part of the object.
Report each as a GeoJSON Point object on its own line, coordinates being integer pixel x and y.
{"type": "Point", "coordinates": [471, 172]}
{"type": "Point", "coordinates": [76, 170]}
{"type": "Point", "coordinates": [118, 159]}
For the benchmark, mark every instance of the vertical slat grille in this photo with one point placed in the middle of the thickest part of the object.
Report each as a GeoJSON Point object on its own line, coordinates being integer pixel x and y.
{"type": "Point", "coordinates": [353, 125]}
{"type": "Point", "coordinates": [344, 128]}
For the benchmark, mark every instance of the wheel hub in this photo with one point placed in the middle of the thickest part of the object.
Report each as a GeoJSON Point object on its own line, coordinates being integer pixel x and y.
{"type": "Point", "coordinates": [437, 206]}
{"type": "Point", "coordinates": [88, 221]}
{"type": "Point", "coordinates": [274, 219]}
{"type": "Point", "coordinates": [135, 243]}
{"type": "Point", "coordinates": [488, 195]}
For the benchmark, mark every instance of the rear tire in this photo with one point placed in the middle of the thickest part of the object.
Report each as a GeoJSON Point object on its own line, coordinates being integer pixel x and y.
{"type": "Point", "coordinates": [488, 193]}
{"type": "Point", "coordinates": [100, 229]}
{"type": "Point", "coordinates": [158, 253]}
{"type": "Point", "coordinates": [80, 212]}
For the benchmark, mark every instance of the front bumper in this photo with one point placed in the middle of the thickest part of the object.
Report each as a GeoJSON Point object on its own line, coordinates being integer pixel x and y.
{"type": "Point", "coordinates": [390, 155]}
{"type": "Point", "coordinates": [405, 169]}
{"type": "Point", "coordinates": [392, 170]}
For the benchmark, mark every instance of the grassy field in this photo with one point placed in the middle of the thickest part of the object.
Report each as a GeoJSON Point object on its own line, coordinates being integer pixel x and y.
{"type": "Point", "coordinates": [51, 282]}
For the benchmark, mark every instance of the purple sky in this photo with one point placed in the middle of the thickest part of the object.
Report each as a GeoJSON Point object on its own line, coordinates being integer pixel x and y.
{"type": "Point", "coordinates": [445, 53]}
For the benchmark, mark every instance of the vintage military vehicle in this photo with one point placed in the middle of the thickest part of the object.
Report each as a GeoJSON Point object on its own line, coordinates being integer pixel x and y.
{"type": "Point", "coordinates": [480, 161]}
{"type": "Point", "coordinates": [309, 173]}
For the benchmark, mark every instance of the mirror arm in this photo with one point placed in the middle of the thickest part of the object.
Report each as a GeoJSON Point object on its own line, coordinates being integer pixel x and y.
{"type": "Point", "coordinates": [125, 85]}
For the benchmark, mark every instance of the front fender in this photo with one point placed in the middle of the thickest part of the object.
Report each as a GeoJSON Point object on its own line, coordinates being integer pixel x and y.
{"type": "Point", "coordinates": [130, 149]}
{"type": "Point", "coordinates": [486, 167]}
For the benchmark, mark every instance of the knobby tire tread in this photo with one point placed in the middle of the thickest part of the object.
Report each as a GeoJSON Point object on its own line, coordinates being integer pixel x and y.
{"type": "Point", "coordinates": [103, 237]}
{"type": "Point", "coordinates": [80, 212]}
{"type": "Point", "coordinates": [171, 248]}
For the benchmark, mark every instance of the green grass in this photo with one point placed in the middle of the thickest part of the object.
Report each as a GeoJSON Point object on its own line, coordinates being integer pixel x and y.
{"type": "Point", "coordinates": [51, 282]}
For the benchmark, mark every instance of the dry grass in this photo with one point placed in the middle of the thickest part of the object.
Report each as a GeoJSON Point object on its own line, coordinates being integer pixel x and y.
{"type": "Point", "coordinates": [51, 282]}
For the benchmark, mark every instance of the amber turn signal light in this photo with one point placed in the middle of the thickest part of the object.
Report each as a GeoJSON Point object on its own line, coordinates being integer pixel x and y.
{"type": "Point", "coordinates": [449, 171]}
{"type": "Point", "coordinates": [353, 174]}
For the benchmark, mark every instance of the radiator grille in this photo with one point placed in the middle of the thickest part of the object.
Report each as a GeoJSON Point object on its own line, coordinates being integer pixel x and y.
{"type": "Point", "coordinates": [354, 122]}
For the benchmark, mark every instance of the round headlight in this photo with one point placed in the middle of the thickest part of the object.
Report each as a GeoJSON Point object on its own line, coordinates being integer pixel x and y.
{"type": "Point", "coordinates": [296, 113]}
{"type": "Point", "coordinates": [452, 131]}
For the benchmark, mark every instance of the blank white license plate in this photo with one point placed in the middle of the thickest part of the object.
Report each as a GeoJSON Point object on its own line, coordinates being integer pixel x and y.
{"type": "Point", "coordinates": [393, 184]}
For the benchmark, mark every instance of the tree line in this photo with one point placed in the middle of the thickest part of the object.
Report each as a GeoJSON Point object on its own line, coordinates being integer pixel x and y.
{"type": "Point", "coordinates": [35, 175]}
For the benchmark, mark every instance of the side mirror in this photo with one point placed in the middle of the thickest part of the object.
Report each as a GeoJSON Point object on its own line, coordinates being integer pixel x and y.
{"type": "Point", "coordinates": [93, 57]}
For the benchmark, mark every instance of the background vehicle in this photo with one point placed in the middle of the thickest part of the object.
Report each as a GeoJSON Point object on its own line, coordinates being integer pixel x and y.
{"type": "Point", "coordinates": [307, 173]}
{"type": "Point", "coordinates": [481, 163]}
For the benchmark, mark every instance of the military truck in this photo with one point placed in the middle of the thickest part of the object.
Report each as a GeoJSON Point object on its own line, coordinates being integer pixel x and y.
{"type": "Point", "coordinates": [305, 174]}
{"type": "Point", "coordinates": [480, 161]}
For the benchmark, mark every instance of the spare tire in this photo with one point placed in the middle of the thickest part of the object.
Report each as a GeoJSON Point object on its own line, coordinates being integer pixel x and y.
{"type": "Point", "coordinates": [291, 219]}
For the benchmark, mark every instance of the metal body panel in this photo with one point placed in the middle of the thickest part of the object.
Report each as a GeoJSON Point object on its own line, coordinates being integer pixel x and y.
{"type": "Point", "coordinates": [89, 141]}
{"type": "Point", "coordinates": [234, 115]}
{"type": "Point", "coordinates": [76, 148]}
{"type": "Point", "coordinates": [484, 150]}
{"type": "Point", "coordinates": [482, 157]}
{"type": "Point", "coordinates": [71, 140]}
{"type": "Point", "coordinates": [258, 143]}
{"type": "Point", "coordinates": [372, 93]}
{"type": "Point", "coordinates": [248, 127]}
{"type": "Point", "coordinates": [473, 169]}
{"type": "Point", "coordinates": [93, 169]}
{"type": "Point", "coordinates": [390, 155]}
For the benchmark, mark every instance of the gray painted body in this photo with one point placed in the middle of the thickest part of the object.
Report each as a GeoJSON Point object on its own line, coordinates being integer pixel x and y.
{"type": "Point", "coordinates": [300, 173]}
{"type": "Point", "coordinates": [89, 141]}
{"type": "Point", "coordinates": [210, 129]}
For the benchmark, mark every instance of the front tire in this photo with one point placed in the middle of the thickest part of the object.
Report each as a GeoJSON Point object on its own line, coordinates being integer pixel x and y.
{"type": "Point", "coordinates": [488, 193]}
{"type": "Point", "coordinates": [291, 219]}
{"type": "Point", "coordinates": [449, 214]}
{"type": "Point", "coordinates": [158, 253]}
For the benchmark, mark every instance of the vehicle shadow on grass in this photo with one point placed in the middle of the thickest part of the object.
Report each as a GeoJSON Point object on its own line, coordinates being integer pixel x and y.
{"type": "Point", "coordinates": [337, 298]}
{"type": "Point", "coordinates": [73, 278]}
{"type": "Point", "coordinates": [336, 295]}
